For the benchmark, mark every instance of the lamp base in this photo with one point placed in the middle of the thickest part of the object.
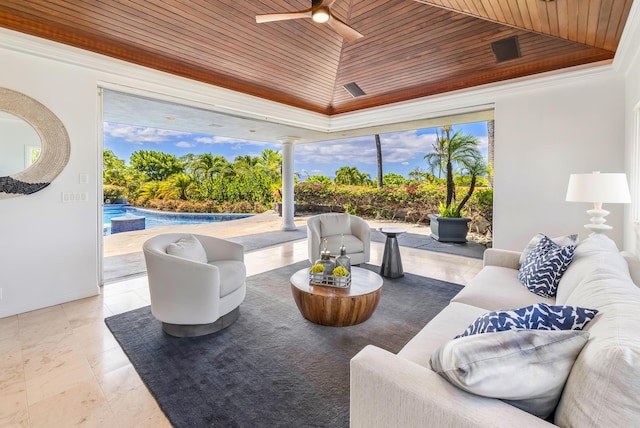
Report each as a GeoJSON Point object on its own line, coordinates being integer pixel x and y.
{"type": "Point", "coordinates": [597, 219]}
{"type": "Point", "coordinates": [598, 228]}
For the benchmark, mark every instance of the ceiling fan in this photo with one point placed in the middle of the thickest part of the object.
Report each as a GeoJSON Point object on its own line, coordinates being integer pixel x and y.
{"type": "Point", "coordinates": [320, 12]}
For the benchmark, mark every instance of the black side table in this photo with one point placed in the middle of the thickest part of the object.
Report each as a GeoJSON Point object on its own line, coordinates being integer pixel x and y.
{"type": "Point", "coordinates": [391, 261]}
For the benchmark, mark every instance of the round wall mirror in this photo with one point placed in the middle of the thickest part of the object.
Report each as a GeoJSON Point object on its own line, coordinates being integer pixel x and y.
{"type": "Point", "coordinates": [20, 144]}
{"type": "Point", "coordinates": [34, 145]}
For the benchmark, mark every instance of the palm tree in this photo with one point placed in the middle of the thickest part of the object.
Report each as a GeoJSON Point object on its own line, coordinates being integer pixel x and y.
{"type": "Point", "coordinates": [490, 148]}
{"type": "Point", "coordinates": [271, 162]}
{"type": "Point", "coordinates": [244, 164]}
{"type": "Point", "coordinates": [352, 176]}
{"type": "Point", "coordinates": [452, 152]}
{"type": "Point", "coordinates": [474, 168]}
{"type": "Point", "coordinates": [175, 187]}
{"type": "Point", "coordinates": [379, 156]}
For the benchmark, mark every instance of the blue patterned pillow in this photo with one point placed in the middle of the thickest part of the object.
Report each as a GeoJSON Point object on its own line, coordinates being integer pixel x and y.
{"type": "Point", "coordinates": [544, 266]}
{"type": "Point", "coordinates": [535, 317]}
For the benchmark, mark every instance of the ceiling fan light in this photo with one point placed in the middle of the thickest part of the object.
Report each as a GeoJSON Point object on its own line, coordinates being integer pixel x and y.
{"type": "Point", "coordinates": [320, 15]}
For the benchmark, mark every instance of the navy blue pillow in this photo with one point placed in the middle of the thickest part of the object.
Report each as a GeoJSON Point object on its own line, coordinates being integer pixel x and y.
{"type": "Point", "coordinates": [544, 265]}
{"type": "Point", "coordinates": [535, 317]}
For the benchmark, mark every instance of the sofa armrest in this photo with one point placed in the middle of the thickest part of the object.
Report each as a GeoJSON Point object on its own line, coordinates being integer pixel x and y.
{"type": "Point", "coordinates": [501, 258]}
{"type": "Point", "coordinates": [390, 391]}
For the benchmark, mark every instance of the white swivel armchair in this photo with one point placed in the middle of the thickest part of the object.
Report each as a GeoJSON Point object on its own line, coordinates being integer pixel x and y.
{"type": "Point", "coordinates": [196, 282]}
{"type": "Point", "coordinates": [333, 226]}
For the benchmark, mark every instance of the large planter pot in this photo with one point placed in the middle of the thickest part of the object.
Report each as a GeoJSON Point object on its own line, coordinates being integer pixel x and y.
{"type": "Point", "coordinates": [447, 229]}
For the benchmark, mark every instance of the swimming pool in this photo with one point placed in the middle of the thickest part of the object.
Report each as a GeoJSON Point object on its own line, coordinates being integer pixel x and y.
{"type": "Point", "coordinates": [160, 218]}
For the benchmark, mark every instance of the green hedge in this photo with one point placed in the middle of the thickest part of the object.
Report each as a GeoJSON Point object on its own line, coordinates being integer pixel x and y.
{"type": "Point", "coordinates": [411, 203]}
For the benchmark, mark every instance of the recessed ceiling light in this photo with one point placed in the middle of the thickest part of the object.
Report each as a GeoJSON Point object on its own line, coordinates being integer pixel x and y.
{"type": "Point", "coordinates": [170, 118]}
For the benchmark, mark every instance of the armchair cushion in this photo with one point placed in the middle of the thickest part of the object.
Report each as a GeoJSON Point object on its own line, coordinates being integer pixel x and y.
{"type": "Point", "coordinates": [351, 243]}
{"type": "Point", "coordinates": [338, 224]}
{"type": "Point", "coordinates": [188, 247]}
{"type": "Point", "coordinates": [234, 273]}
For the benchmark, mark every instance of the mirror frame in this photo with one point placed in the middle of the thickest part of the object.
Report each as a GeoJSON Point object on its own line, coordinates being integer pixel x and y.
{"type": "Point", "coordinates": [54, 140]}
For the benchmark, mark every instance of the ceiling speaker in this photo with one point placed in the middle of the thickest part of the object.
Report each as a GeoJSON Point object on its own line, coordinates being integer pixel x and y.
{"type": "Point", "coordinates": [506, 49]}
{"type": "Point", "coordinates": [354, 89]}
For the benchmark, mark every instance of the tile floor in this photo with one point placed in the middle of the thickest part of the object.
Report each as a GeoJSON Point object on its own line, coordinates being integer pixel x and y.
{"type": "Point", "coordinates": [61, 367]}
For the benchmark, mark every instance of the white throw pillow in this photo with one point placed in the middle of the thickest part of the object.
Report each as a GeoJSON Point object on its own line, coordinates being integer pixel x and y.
{"type": "Point", "coordinates": [335, 224]}
{"type": "Point", "coordinates": [525, 368]}
{"type": "Point", "coordinates": [563, 241]}
{"type": "Point", "coordinates": [188, 247]}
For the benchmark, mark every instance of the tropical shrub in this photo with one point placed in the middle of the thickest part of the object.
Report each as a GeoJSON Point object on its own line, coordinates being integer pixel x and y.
{"type": "Point", "coordinates": [412, 202]}
{"type": "Point", "coordinates": [112, 191]}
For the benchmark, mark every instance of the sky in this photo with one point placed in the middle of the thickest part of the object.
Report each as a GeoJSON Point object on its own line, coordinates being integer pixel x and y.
{"type": "Point", "coordinates": [402, 152]}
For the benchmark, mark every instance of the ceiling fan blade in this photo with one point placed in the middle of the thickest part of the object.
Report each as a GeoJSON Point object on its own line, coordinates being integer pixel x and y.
{"type": "Point", "coordinates": [270, 17]}
{"type": "Point", "coordinates": [348, 33]}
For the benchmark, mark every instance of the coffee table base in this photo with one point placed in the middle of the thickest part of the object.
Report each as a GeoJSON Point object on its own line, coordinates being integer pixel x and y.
{"type": "Point", "coordinates": [337, 311]}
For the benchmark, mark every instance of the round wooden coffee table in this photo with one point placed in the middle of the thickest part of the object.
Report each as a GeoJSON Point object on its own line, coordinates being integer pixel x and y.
{"type": "Point", "coordinates": [337, 307]}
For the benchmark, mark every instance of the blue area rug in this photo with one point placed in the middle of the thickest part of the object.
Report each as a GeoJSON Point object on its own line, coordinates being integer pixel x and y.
{"type": "Point", "coordinates": [272, 368]}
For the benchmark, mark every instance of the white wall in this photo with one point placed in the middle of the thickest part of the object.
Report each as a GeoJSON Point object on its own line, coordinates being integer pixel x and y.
{"type": "Point", "coordinates": [632, 137]}
{"type": "Point", "coordinates": [541, 137]}
{"type": "Point", "coordinates": [48, 249]}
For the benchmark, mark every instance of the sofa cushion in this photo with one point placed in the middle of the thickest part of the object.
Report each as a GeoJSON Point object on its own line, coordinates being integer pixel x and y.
{"type": "Point", "coordinates": [335, 224]}
{"type": "Point", "coordinates": [604, 384]}
{"type": "Point", "coordinates": [188, 247]}
{"type": "Point", "coordinates": [590, 254]}
{"type": "Point", "coordinates": [539, 317]}
{"type": "Point", "coordinates": [233, 274]}
{"type": "Point", "coordinates": [563, 241]}
{"type": "Point", "coordinates": [544, 265]}
{"type": "Point", "coordinates": [495, 288]}
{"type": "Point", "coordinates": [527, 368]}
{"type": "Point", "coordinates": [449, 322]}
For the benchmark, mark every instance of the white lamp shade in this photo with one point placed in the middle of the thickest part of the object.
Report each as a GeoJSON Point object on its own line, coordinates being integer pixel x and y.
{"type": "Point", "coordinates": [597, 187]}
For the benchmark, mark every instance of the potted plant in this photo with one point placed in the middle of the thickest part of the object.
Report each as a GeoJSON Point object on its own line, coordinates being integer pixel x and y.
{"type": "Point", "coordinates": [454, 153]}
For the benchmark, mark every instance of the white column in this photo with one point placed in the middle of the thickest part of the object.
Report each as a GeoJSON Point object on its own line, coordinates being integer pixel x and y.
{"type": "Point", "coordinates": [287, 183]}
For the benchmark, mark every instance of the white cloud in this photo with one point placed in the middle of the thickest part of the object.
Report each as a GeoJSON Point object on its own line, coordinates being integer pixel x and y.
{"type": "Point", "coordinates": [399, 147]}
{"type": "Point", "coordinates": [140, 135]}
{"type": "Point", "coordinates": [204, 140]}
{"type": "Point", "coordinates": [185, 144]}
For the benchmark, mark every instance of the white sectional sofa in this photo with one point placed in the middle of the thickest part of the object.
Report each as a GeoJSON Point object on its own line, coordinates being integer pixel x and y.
{"type": "Point", "coordinates": [603, 386]}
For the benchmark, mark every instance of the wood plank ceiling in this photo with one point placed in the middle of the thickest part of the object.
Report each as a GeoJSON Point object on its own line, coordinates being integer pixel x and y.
{"type": "Point", "coordinates": [410, 48]}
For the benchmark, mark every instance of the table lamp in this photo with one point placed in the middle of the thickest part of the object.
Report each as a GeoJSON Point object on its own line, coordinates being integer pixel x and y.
{"type": "Point", "coordinates": [598, 188]}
